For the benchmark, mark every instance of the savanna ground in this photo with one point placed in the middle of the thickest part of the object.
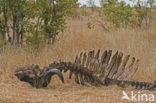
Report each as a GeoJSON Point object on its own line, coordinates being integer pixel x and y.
{"type": "Point", "coordinates": [78, 37]}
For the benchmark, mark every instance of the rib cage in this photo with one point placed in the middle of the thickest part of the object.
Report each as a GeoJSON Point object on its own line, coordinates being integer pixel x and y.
{"type": "Point", "coordinates": [90, 69]}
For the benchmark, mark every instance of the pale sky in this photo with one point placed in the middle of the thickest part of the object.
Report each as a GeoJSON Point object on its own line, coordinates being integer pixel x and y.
{"type": "Point", "coordinates": [98, 3]}
{"type": "Point", "coordinates": [85, 2]}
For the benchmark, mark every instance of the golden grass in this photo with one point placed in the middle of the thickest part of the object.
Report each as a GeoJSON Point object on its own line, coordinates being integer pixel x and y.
{"type": "Point", "coordinates": [75, 39]}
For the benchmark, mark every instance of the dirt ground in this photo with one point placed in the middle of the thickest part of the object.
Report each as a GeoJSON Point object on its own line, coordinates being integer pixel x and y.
{"type": "Point", "coordinates": [56, 92]}
{"type": "Point", "coordinates": [78, 37]}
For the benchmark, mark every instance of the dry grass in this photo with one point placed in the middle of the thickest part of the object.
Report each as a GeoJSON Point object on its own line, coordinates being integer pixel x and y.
{"type": "Point", "coordinates": [77, 38]}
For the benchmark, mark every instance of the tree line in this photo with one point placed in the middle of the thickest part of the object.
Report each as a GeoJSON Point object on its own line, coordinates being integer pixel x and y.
{"type": "Point", "coordinates": [33, 21]}
{"type": "Point", "coordinates": [125, 15]}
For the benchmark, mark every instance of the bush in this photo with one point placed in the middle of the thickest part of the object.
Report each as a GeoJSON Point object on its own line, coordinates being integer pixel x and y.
{"type": "Point", "coordinates": [122, 15]}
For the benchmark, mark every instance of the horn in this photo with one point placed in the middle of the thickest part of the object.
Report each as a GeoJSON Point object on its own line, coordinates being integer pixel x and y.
{"type": "Point", "coordinates": [54, 71]}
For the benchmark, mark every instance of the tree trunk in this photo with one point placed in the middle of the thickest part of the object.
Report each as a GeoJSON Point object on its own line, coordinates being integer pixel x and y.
{"type": "Point", "coordinates": [17, 33]}
{"type": "Point", "coordinates": [22, 30]}
{"type": "Point", "coordinates": [37, 28]}
{"type": "Point", "coordinates": [14, 30]}
{"type": "Point", "coordinates": [21, 34]}
{"type": "Point", "coordinates": [5, 11]}
{"type": "Point", "coordinates": [3, 36]}
{"type": "Point", "coordinates": [5, 25]}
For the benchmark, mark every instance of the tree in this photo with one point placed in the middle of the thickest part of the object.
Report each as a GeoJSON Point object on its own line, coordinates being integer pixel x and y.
{"type": "Point", "coordinates": [34, 21]}
{"type": "Point", "coordinates": [50, 18]}
{"type": "Point", "coordinates": [121, 14]}
{"type": "Point", "coordinates": [4, 28]}
{"type": "Point", "coordinates": [19, 18]}
{"type": "Point", "coordinates": [118, 13]}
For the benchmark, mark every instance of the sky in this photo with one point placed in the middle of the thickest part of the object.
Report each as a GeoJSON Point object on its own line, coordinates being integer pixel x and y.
{"type": "Point", "coordinates": [85, 2]}
{"type": "Point", "coordinates": [98, 3]}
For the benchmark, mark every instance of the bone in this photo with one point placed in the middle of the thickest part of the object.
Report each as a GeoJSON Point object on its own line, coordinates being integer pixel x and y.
{"type": "Point", "coordinates": [122, 67]}
{"type": "Point", "coordinates": [113, 60]}
{"type": "Point", "coordinates": [88, 70]}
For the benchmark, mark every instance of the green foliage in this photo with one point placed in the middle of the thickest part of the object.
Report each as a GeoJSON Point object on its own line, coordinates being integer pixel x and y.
{"type": "Point", "coordinates": [90, 25]}
{"type": "Point", "coordinates": [35, 22]}
{"type": "Point", "coordinates": [123, 15]}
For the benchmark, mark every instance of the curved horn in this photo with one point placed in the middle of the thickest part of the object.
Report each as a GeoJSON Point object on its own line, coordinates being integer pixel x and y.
{"type": "Point", "coordinates": [54, 71]}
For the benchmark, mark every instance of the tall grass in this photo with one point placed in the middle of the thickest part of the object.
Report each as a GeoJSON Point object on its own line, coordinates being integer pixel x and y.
{"type": "Point", "coordinates": [75, 39]}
